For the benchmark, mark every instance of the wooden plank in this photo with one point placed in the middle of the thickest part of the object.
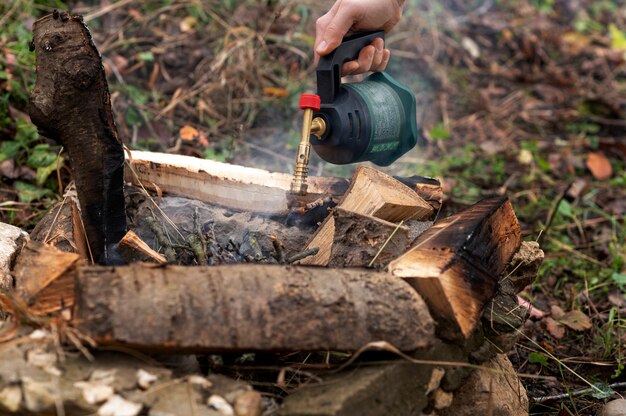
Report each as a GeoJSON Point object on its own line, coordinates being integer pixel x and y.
{"type": "Point", "coordinates": [243, 188]}
{"type": "Point", "coordinates": [455, 265]}
{"type": "Point", "coordinates": [371, 193]}
{"type": "Point", "coordinates": [247, 308]}
{"type": "Point", "coordinates": [233, 186]}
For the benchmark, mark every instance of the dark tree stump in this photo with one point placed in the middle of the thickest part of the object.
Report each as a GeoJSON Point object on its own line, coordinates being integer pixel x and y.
{"type": "Point", "coordinates": [71, 105]}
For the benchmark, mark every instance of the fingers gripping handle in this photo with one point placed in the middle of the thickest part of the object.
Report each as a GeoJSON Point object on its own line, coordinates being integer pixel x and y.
{"type": "Point", "coordinates": [329, 67]}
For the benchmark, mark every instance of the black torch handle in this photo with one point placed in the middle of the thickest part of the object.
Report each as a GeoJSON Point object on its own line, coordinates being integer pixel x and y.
{"type": "Point", "coordinates": [329, 67]}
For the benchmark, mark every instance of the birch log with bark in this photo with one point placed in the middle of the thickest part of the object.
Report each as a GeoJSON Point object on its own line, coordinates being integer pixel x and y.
{"type": "Point", "coordinates": [248, 308]}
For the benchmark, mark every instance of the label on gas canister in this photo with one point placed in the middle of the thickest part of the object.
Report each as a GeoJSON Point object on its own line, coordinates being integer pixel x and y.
{"type": "Point", "coordinates": [386, 116]}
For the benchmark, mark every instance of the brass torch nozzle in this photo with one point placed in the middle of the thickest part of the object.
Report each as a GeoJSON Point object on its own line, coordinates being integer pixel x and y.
{"type": "Point", "coordinates": [308, 103]}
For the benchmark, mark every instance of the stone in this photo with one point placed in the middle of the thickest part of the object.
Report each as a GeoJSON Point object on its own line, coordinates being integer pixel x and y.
{"type": "Point", "coordinates": [390, 389]}
{"type": "Point", "coordinates": [12, 240]}
{"type": "Point", "coordinates": [180, 399]}
{"type": "Point", "coordinates": [614, 408]}
{"type": "Point", "coordinates": [118, 406]}
{"type": "Point", "coordinates": [10, 399]}
{"type": "Point", "coordinates": [501, 388]}
{"type": "Point", "coordinates": [249, 403]}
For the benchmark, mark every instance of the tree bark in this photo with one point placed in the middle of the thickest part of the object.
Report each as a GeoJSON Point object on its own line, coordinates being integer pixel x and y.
{"type": "Point", "coordinates": [71, 104]}
{"type": "Point", "coordinates": [248, 308]}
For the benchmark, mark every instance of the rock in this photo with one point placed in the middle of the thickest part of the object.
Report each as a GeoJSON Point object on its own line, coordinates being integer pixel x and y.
{"type": "Point", "coordinates": [180, 399]}
{"type": "Point", "coordinates": [442, 399]}
{"type": "Point", "coordinates": [39, 396]}
{"type": "Point", "coordinates": [614, 408]}
{"type": "Point", "coordinates": [10, 398]}
{"type": "Point", "coordinates": [145, 379]}
{"type": "Point", "coordinates": [503, 389]}
{"type": "Point", "coordinates": [118, 406]}
{"type": "Point", "coordinates": [249, 403]}
{"type": "Point", "coordinates": [389, 389]}
{"type": "Point", "coordinates": [12, 240]}
{"type": "Point", "coordinates": [220, 404]}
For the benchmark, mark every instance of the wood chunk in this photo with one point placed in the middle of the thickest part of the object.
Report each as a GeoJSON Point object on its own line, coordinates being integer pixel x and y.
{"type": "Point", "coordinates": [62, 228]}
{"type": "Point", "coordinates": [322, 239]}
{"type": "Point", "coordinates": [455, 265]}
{"type": "Point", "coordinates": [133, 248]}
{"type": "Point", "coordinates": [248, 308]}
{"type": "Point", "coordinates": [429, 189]}
{"type": "Point", "coordinates": [243, 188]}
{"type": "Point", "coordinates": [231, 186]}
{"type": "Point", "coordinates": [71, 105]}
{"type": "Point", "coordinates": [375, 193]}
{"type": "Point", "coordinates": [392, 387]}
{"type": "Point", "coordinates": [44, 277]}
{"type": "Point", "coordinates": [359, 238]}
{"type": "Point", "coordinates": [371, 193]}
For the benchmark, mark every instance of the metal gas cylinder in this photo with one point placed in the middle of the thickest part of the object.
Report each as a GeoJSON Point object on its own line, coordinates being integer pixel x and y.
{"type": "Point", "coordinates": [372, 120]}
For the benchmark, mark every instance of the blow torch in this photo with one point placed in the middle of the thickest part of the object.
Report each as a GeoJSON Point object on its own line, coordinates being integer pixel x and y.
{"type": "Point", "coordinates": [372, 120]}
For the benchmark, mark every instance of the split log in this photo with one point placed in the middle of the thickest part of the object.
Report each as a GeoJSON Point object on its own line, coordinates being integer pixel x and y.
{"type": "Point", "coordinates": [133, 248]}
{"type": "Point", "coordinates": [44, 278]}
{"type": "Point", "coordinates": [371, 193]}
{"type": "Point", "coordinates": [71, 105]}
{"type": "Point", "coordinates": [248, 308]}
{"type": "Point", "coordinates": [244, 188]}
{"type": "Point", "coordinates": [455, 265]}
{"type": "Point", "coordinates": [365, 241]}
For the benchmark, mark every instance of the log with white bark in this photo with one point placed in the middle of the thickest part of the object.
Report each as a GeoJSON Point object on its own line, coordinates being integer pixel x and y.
{"type": "Point", "coordinates": [248, 308]}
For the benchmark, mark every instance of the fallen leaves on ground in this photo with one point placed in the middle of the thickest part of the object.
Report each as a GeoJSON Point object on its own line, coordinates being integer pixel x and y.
{"type": "Point", "coordinates": [599, 165]}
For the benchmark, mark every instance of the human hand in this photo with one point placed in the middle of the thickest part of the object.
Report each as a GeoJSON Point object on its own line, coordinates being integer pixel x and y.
{"type": "Point", "coordinates": [358, 15]}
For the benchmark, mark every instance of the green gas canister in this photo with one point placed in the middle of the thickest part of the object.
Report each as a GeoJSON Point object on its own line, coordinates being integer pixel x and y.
{"type": "Point", "coordinates": [372, 120]}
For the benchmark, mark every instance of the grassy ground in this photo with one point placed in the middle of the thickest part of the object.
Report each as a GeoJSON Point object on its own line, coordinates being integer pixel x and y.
{"type": "Point", "coordinates": [525, 99]}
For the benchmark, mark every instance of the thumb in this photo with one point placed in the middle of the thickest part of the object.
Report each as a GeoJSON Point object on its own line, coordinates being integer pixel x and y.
{"type": "Point", "coordinates": [334, 32]}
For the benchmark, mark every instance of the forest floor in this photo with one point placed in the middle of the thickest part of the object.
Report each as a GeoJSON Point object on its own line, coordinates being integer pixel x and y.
{"type": "Point", "coordinates": [519, 98]}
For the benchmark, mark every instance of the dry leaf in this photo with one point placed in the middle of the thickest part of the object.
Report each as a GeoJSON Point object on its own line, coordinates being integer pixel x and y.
{"type": "Point", "coordinates": [576, 320]}
{"type": "Point", "coordinates": [617, 298]}
{"type": "Point", "coordinates": [599, 165]}
{"type": "Point", "coordinates": [556, 312]}
{"type": "Point", "coordinates": [275, 92]}
{"type": "Point", "coordinates": [189, 134]}
{"type": "Point", "coordinates": [554, 328]}
{"type": "Point", "coordinates": [187, 24]}
{"type": "Point", "coordinates": [576, 42]}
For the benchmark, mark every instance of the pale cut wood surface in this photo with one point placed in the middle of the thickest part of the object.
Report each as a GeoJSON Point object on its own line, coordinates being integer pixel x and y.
{"type": "Point", "coordinates": [243, 188]}
{"type": "Point", "coordinates": [232, 186]}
